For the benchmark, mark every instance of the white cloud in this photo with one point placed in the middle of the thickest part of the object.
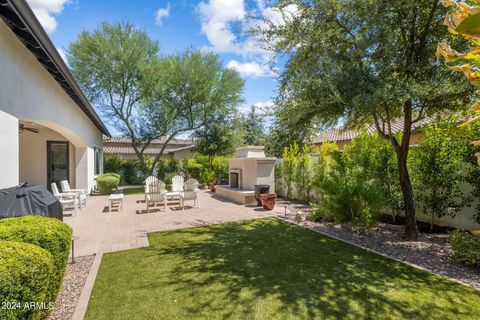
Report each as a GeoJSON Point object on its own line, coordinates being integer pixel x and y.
{"type": "Point", "coordinates": [216, 18]}
{"type": "Point", "coordinates": [265, 107]}
{"type": "Point", "coordinates": [161, 14]}
{"type": "Point", "coordinates": [45, 11]}
{"type": "Point", "coordinates": [262, 107]}
{"type": "Point", "coordinates": [276, 16]}
{"type": "Point", "coordinates": [249, 69]}
{"type": "Point", "coordinates": [219, 19]}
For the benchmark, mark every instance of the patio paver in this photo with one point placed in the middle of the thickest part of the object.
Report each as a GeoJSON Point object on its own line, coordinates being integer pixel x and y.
{"type": "Point", "coordinates": [102, 231]}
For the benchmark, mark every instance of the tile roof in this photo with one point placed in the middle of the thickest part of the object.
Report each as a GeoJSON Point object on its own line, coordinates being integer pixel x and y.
{"type": "Point", "coordinates": [347, 135]}
{"type": "Point", "coordinates": [155, 141]}
{"type": "Point", "coordinates": [121, 145]}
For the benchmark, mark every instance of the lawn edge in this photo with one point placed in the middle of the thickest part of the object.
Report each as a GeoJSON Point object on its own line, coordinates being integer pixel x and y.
{"type": "Point", "coordinates": [82, 305]}
{"type": "Point", "coordinates": [376, 252]}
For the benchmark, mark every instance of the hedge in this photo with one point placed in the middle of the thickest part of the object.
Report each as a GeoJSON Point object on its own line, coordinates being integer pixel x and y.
{"type": "Point", "coordinates": [107, 182]}
{"type": "Point", "coordinates": [466, 247]}
{"type": "Point", "coordinates": [25, 273]}
{"type": "Point", "coordinates": [50, 234]}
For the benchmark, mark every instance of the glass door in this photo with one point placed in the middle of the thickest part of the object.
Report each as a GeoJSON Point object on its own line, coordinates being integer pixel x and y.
{"type": "Point", "coordinates": [57, 162]}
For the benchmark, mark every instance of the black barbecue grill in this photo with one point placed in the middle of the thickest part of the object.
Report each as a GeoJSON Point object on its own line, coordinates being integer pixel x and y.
{"type": "Point", "coordinates": [29, 200]}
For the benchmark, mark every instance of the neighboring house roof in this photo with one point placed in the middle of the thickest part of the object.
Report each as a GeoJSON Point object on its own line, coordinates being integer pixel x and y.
{"type": "Point", "coordinates": [155, 141]}
{"type": "Point", "coordinates": [337, 135]}
{"type": "Point", "coordinates": [121, 145]}
{"type": "Point", "coordinates": [20, 18]}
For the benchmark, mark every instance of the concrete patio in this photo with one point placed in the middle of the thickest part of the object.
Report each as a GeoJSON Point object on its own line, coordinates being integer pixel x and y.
{"type": "Point", "coordinates": [101, 231]}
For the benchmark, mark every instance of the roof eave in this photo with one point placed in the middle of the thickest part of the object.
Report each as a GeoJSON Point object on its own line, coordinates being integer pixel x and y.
{"type": "Point", "coordinates": [25, 14]}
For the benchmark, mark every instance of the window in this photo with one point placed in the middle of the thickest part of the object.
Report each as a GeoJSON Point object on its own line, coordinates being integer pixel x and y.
{"type": "Point", "coordinates": [98, 159]}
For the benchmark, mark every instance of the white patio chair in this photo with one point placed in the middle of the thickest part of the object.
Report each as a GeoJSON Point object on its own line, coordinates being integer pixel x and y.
{"type": "Point", "coordinates": [67, 200]}
{"type": "Point", "coordinates": [190, 192]}
{"type": "Point", "coordinates": [149, 180]}
{"type": "Point", "coordinates": [82, 193]}
{"type": "Point", "coordinates": [177, 183]}
{"type": "Point", "coordinates": [156, 194]}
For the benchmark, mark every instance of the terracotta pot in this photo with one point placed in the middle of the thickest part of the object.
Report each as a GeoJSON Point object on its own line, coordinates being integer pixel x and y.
{"type": "Point", "coordinates": [211, 186]}
{"type": "Point", "coordinates": [268, 200]}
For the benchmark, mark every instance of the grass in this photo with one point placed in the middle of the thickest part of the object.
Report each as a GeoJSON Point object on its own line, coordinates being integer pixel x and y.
{"type": "Point", "coordinates": [267, 269]}
{"type": "Point", "coordinates": [133, 189]}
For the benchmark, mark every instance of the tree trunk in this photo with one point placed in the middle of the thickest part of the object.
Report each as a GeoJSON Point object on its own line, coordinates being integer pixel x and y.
{"type": "Point", "coordinates": [407, 192]}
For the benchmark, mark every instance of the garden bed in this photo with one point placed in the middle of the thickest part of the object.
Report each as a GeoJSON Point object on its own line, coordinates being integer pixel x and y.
{"type": "Point", "coordinates": [431, 252]}
{"type": "Point", "coordinates": [73, 282]}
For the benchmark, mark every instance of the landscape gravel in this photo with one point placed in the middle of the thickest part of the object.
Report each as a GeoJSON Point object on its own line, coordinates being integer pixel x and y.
{"type": "Point", "coordinates": [431, 252]}
{"type": "Point", "coordinates": [73, 282]}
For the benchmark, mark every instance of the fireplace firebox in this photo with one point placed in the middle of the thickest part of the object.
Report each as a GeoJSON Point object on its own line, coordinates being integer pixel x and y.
{"type": "Point", "coordinates": [235, 179]}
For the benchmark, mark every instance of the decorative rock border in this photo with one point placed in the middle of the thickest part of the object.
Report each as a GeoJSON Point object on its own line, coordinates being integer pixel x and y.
{"type": "Point", "coordinates": [82, 304]}
{"type": "Point", "coordinates": [431, 252]}
{"type": "Point", "coordinates": [73, 283]}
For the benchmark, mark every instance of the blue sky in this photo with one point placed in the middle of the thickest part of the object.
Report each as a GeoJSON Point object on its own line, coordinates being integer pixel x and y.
{"type": "Point", "coordinates": [177, 25]}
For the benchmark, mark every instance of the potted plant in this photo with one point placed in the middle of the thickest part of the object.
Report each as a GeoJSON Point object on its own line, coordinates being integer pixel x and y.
{"type": "Point", "coordinates": [268, 200]}
{"type": "Point", "coordinates": [209, 177]}
{"type": "Point", "coordinates": [212, 185]}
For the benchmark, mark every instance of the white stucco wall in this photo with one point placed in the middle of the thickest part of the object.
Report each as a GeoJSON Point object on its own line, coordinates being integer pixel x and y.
{"type": "Point", "coordinates": [8, 150]}
{"type": "Point", "coordinates": [33, 156]}
{"type": "Point", "coordinates": [28, 92]}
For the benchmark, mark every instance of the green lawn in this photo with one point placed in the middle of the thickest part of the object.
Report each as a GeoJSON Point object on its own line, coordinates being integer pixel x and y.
{"type": "Point", "coordinates": [268, 269]}
{"type": "Point", "coordinates": [133, 189]}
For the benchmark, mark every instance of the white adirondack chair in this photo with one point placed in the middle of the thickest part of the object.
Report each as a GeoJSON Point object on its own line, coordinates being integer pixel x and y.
{"type": "Point", "coordinates": [82, 193]}
{"type": "Point", "coordinates": [68, 200]}
{"type": "Point", "coordinates": [177, 183]}
{"type": "Point", "coordinates": [148, 181]}
{"type": "Point", "coordinates": [156, 194]}
{"type": "Point", "coordinates": [190, 192]}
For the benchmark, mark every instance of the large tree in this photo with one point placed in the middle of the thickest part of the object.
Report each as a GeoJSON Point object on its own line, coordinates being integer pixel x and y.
{"type": "Point", "coordinates": [357, 62]}
{"type": "Point", "coordinates": [146, 96]}
{"type": "Point", "coordinates": [186, 91]}
{"type": "Point", "coordinates": [220, 136]}
{"type": "Point", "coordinates": [253, 127]}
{"type": "Point", "coordinates": [110, 63]}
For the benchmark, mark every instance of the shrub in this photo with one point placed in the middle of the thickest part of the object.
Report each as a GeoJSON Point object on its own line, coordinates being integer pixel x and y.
{"type": "Point", "coordinates": [130, 170]}
{"type": "Point", "coordinates": [349, 192]}
{"type": "Point", "coordinates": [113, 174]}
{"type": "Point", "coordinates": [50, 234]}
{"type": "Point", "coordinates": [205, 169]}
{"type": "Point", "coordinates": [304, 173]}
{"type": "Point", "coordinates": [107, 182]}
{"type": "Point", "coordinates": [438, 170]}
{"type": "Point", "coordinates": [466, 247]}
{"type": "Point", "coordinates": [290, 155]}
{"type": "Point", "coordinates": [26, 272]}
{"type": "Point", "coordinates": [113, 164]}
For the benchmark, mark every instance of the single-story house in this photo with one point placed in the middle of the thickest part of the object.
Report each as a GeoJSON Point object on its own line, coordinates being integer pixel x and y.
{"type": "Point", "coordinates": [344, 137]}
{"type": "Point", "coordinates": [176, 149]}
{"type": "Point", "coordinates": [49, 131]}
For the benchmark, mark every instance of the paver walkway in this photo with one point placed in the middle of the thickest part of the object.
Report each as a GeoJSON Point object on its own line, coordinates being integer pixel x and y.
{"type": "Point", "coordinates": [102, 231]}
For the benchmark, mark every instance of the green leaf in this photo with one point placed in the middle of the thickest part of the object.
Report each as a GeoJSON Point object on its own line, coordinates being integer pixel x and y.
{"type": "Point", "coordinates": [470, 25]}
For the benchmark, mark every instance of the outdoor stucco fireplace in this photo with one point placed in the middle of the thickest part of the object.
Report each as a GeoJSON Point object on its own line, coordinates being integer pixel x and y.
{"type": "Point", "coordinates": [249, 168]}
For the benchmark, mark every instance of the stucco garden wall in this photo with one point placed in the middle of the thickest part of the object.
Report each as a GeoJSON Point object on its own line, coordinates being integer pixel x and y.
{"type": "Point", "coordinates": [463, 219]}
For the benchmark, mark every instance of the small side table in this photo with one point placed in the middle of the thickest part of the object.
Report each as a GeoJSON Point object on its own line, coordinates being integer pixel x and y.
{"type": "Point", "coordinates": [116, 199]}
{"type": "Point", "coordinates": [74, 238]}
